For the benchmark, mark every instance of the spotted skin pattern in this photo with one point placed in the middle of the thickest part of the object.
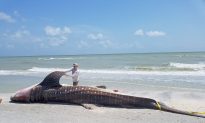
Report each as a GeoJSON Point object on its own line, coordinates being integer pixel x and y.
{"type": "Point", "coordinates": [88, 95]}
{"type": "Point", "coordinates": [49, 90]}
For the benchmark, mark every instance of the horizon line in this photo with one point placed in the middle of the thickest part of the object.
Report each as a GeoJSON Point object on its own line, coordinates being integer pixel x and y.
{"type": "Point", "coordinates": [166, 52]}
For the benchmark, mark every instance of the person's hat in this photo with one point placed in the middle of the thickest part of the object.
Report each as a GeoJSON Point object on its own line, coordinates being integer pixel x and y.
{"type": "Point", "coordinates": [75, 65]}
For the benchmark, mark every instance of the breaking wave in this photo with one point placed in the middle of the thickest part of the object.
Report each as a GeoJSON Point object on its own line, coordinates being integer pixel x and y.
{"type": "Point", "coordinates": [55, 58]}
{"type": "Point", "coordinates": [59, 58]}
{"type": "Point", "coordinates": [200, 66]}
{"type": "Point", "coordinates": [39, 70]}
{"type": "Point", "coordinates": [173, 67]}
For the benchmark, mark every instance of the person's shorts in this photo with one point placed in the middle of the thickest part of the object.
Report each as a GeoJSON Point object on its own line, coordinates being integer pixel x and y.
{"type": "Point", "coordinates": [75, 83]}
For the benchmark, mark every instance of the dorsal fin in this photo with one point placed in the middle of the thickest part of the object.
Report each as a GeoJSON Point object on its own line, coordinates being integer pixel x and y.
{"type": "Point", "coordinates": [52, 79]}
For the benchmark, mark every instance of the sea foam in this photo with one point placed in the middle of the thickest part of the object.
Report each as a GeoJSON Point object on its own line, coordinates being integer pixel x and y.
{"type": "Point", "coordinates": [39, 70]}
{"type": "Point", "coordinates": [199, 66]}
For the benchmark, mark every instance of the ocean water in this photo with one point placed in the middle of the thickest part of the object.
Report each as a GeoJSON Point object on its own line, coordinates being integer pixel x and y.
{"type": "Point", "coordinates": [169, 77]}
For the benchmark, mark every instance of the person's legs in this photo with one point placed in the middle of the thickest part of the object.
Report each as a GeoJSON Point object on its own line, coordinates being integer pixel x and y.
{"type": "Point", "coordinates": [75, 83]}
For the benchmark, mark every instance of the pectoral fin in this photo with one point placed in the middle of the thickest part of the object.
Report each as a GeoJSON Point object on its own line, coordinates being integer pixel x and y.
{"type": "Point", "coordinates": [101, 86]}
{"type": "Point", "coordinates": [88, 106]}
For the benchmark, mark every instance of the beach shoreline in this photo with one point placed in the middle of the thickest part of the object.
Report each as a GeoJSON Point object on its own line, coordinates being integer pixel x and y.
{"type": "Point", "coordinates": [176, 79]}
{"type": "Point", "coordinates": [40, 113]}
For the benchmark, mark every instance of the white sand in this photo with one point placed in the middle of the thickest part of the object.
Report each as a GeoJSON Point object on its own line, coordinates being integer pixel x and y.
{"type": "Point", "coordinates": [61, 113]}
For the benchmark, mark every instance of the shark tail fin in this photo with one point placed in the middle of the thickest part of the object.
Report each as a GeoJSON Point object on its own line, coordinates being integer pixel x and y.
{"type": "Point", "coordinates": [163, 107]}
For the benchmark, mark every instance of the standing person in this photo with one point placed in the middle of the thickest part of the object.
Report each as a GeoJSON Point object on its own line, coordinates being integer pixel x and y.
{"type": "Point", "coordinates": [75, 74]}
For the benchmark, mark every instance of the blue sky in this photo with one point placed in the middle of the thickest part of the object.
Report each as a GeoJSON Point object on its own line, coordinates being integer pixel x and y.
{"type": "Point", "coordinates": [67, 27]}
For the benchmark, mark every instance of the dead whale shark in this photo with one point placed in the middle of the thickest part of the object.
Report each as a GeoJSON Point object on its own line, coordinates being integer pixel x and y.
{"type": "Point", "coordinates": [49, 90]}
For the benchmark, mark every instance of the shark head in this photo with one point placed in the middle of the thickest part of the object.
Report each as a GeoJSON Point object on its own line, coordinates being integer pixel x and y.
{"type": "Point", "coordinates": [51, 80]}
{"type": "Point", "coordinates": [22, 95]}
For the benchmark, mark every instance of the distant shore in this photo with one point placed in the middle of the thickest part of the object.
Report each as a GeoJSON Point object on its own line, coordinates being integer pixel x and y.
{"type": "Point", "coordinates": [53, 113]}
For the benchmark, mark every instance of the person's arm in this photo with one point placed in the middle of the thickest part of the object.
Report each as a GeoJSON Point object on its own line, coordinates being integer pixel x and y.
{"type": "Point", "coordinates": [66, 72]}
{"type": "Point", "coordinates": [67, 75]}
{"type": "Point", "coordinates": [72, 75]}
{"type": "Point", "coordinates": [69, 70]}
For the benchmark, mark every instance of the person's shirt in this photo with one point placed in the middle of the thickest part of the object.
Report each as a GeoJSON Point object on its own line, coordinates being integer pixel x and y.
{"type": "Point", "coordinates": [75, 74]}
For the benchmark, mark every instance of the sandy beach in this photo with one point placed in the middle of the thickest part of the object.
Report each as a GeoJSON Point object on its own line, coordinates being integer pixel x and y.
{"type": "Point", "coordinates": [178, 84]}
{"type": "Point", "coordinates": [53, 113]}
{"type": "Point", "coordinates": [149, 55]}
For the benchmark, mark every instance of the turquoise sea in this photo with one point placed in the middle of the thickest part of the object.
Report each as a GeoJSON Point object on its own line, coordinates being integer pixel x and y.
{"type": "Point", "coordinates": [165, 76]}
{"type": "Point", "coordinates": [165, 70]}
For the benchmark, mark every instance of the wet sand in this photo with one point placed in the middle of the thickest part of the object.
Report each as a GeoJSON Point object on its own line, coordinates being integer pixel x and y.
{"type": "Point", "coordinates": [63, 113]}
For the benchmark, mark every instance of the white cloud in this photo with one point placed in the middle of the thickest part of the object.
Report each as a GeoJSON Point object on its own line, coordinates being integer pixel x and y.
{"type": "Point", "coordinates": [5, 17]}
{"type": "Point", "coordinates": [19, 16]}
{"type": "Point", "coordinates": [100, 40]}
{"type": "Point", "coordinates": [155, 33]}
{"type": "Point", "coordinates": [139, 32]}
{"type": "Point", "coordinates": [57, 35]}
{"type": "Point", "coordinates": [106, 43]}
{"type": "Point", "coordinates": [82, 44]}
{"type": "Point", "coordinates": [55, 42]}
{"type": "Point", "coordinates": [57, 31]}
{"type": "Point", "coordinates": [21, 33]}
{"type": "Point", "coordinates": [97, 36]}
{"type": "Point", "coordinates": [16, 13]}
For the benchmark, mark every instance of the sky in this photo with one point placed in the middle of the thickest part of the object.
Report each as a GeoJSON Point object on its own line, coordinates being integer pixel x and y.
{"type": "Point", "coordinates": [70, 27]}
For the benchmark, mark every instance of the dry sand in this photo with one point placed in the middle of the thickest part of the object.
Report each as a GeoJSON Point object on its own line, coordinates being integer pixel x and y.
{"type": "Point", "coordinates": [62, 113]}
